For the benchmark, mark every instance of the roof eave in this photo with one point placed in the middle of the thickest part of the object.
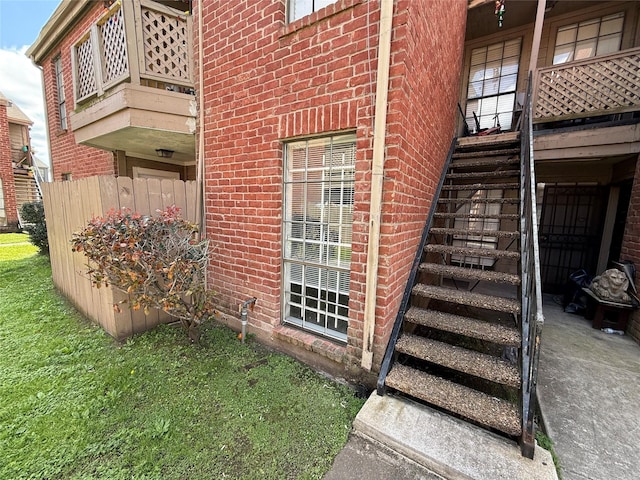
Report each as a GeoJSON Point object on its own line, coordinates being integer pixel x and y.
{"type": "Point", "coordinates": [58, 25]}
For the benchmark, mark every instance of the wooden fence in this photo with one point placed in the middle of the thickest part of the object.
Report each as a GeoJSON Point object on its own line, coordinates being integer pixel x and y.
{"type": "Point", "coordinates": [70, 205]}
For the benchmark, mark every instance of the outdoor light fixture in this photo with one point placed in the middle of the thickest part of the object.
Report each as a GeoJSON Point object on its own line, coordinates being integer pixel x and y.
{"type": "Point", "coordinates": [164, 153]}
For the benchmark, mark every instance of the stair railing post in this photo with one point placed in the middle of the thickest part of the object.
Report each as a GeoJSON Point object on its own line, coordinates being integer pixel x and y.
{"type": "Point", "coordinates": [532, 319]}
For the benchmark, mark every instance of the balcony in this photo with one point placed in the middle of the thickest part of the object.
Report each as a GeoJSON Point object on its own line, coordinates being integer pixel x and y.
{"type": "Point", "coordinates": [598, 86]}
{"type": "Point", "coordinates": [133, 81]}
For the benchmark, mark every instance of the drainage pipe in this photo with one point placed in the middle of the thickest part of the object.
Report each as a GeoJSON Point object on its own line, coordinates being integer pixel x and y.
{"type": "Point", "coordinates": [200, 217]}
{"type": "Point", "coordinates": [377, 178]}
{"type": "Point", "coordinates": [244, 310]}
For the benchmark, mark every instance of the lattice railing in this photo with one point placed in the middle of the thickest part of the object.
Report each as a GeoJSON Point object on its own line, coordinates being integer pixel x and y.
{"type": "Point", "coordinates": [141, 41]}
{"type": "Point", "coordinates": [596, 86]}
{"type": "Point", "coordinates": [84, 65]}
{"type": "Point", "coordinates": [113, 43]}
{"type": "Point", "coordinates": [166, 44]}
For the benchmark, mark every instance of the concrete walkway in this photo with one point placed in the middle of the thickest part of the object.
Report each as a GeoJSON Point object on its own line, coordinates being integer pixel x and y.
{"type": "Point", "coordinates": [589, 394]}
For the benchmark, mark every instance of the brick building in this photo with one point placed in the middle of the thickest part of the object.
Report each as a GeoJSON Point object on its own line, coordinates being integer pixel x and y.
{"type": "Point", "coordinates": [295, 234]}
{"type": "Point", "coordinates": [109, 112]}
{"type": "Point", "coordinates": [324, 131]}
{"type": "Point", "coordinates": [16, 161]}
{"type": "Point", "coordinates": [304, 85]}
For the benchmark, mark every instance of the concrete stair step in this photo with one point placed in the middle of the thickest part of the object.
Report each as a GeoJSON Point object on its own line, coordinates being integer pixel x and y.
{"type": "Point", "coordinates": [489, 141]}
{"type": "Point", "coordinates": [470, 252]}
{"type": "Point", "coordinates": [478, 233]}
{"type": "Point", "coordinates": [498, 216]}
{"type": "Point", "coordinates": [451, 271]}
{"type": "Point", "coordinates": [484, 174]}
{"type": "Point", "coordinates": [457, 163]}
{"type": "Point", "coordinates": [499, 152]}
{"type": "Point", "coordinates": [489, 331]}
{"type": "Point", "coordinates": [482, 186]}
{"type": "Point", "coordinates": [481, 408]}
{"type": "Point", "coordinates": [462, 297]}
{"type": "Point", "coordinates": [504, 201]}
{"type": "Point", "coordinates": [448, 446]}
{"type": "Point", "coordinates": [460, 359]}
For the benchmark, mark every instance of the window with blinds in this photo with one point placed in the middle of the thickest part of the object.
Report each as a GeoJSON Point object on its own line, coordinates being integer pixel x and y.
{"type": "Point", "coordinates": [317, 223]}
{"type": "Point", "coordinates": [493, 77]}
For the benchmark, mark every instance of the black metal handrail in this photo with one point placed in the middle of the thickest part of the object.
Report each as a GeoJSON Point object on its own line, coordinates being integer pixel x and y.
{"type": "Point", "coordinates": [387, 361]}
{"type": "Point", "coordinates": [532, 318]}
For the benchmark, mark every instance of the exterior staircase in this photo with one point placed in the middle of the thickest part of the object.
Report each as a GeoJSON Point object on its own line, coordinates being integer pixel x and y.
{"type": "Point", "coordinates": [27, 190]}
{"type": "Point", "coordinates": [467, 333]}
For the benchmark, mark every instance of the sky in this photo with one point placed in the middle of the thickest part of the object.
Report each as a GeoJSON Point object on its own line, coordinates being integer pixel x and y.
{"type": "Point", "coordinates": [20, 80]}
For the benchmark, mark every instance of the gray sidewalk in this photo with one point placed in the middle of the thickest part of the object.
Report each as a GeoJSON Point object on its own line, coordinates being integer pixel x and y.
{"type": "Point", "coordinates": [589, 393]}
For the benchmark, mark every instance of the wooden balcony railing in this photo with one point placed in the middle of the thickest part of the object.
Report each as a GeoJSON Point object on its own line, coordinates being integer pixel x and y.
{"type": "Point", "coordinates": [139, 41]}
{"type": "Point", "coordinates": [596, 86]}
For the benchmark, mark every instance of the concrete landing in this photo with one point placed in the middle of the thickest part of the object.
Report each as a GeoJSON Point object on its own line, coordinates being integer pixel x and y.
{"type": "Point", "coordinates": [447, 446]}
{"type": "Point", "coordinates": [364, 458]}
{"type": "Point", "coordinates": [589, 393]}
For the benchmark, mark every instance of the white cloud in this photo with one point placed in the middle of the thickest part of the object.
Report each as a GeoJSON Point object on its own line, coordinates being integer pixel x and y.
{"type": "Point", "coordinates": [21, 81]}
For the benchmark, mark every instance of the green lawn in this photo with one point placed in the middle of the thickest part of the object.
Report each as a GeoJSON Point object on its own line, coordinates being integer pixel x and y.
{"type": "Point", "coordinates": [14, 246]}
{"type": "Point", "coordinates": [77, 405]}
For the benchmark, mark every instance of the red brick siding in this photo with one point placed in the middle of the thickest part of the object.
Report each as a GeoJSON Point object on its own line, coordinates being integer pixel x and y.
{"type": "Point", "coordinates": [6, 168]}
{"type": "Point", "coordinates": [67, 156]}
{"type": "Point", "coordinates": [425, 73]}
{"type": "Point", "coordinates": [631, 245]}
{"type": "Point", "coordinates": [266, 82]}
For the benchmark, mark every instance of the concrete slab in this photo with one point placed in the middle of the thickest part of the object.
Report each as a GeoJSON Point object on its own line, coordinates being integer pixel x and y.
{"type": "Point", "coordinates": [447, 446]}
{"type": "Point", "coordinates": [363, 457]}
{"type": "Point", "coordinates": [589, 392]}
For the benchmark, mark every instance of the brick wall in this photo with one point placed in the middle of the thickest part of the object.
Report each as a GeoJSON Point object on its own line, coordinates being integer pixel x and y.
{"type": "Point", "coordinates": [6, 168]}
{"type": "Point", "coordinates": [266, 82]}
{"type": "Point", "coordinates": [67, 156]}
{"type": "Point", "coordinates": [631, 245]}
{"type": "Point", "coordinates": [427, 55]}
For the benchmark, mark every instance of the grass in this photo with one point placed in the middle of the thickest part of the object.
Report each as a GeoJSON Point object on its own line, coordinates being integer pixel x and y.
{"type": "Point", "coordinates": [14, 246]}
{"type": "Point", "coordinates": [78, 405]}
{"type": "Point", "coordinates": [7, 238]}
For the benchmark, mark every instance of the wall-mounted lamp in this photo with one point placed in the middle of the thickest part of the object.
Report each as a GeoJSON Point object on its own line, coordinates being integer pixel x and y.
{"type": "Point", "coordinates": [164, 153]}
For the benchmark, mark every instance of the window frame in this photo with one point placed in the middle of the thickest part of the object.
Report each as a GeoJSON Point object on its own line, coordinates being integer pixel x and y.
{"type": "Point", "coordinates": [488, 120]}
{"type": "Point", "coordinates": [317, 221]}
{"type": "Point", "coordinates": [61, 99]}
{"type": "Point", "coordinates": [598, 38]}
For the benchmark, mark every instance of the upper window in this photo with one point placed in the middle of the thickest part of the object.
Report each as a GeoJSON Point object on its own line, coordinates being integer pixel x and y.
{"type": "Point", "coordinates": [590, 38]}
{"type": "Point", "coordinates": [62, 107]}
{"type": "Point", "coordinates": [493, 78]}
{"type": "Point", "coordinates": [302, 8]}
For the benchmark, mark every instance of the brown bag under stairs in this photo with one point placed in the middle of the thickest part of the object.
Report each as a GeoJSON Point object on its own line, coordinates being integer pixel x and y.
{"type": "Point", "coordinates": [459, 342]}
